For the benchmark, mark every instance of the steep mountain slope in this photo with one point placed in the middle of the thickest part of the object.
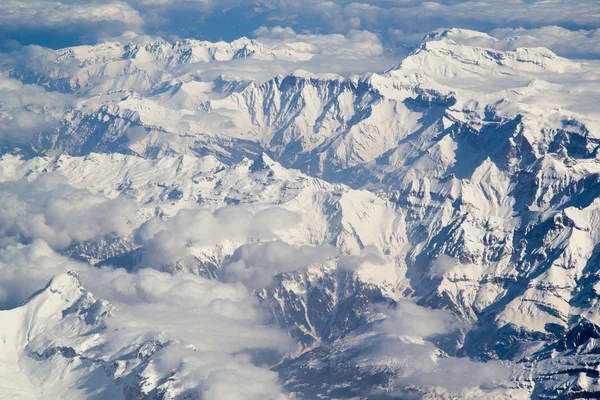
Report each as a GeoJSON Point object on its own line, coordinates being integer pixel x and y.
{"type": "Point", "coordinates": [356, 232]}
{"type": "Point", "coordinates": [482, 170]}
{"type": "Point", "coordinates": [51, 347]}
{"type": "Point", "coordinates": [141, 67]}
{"type": "Point", "coordinates": [65, 343]}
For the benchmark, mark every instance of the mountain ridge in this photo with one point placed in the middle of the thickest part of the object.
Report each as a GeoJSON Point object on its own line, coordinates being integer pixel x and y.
{"type": "Point", "coordinates": [465, 179]}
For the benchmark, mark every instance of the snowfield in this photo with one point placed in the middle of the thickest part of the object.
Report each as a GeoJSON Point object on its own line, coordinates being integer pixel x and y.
{"type": "Point", "coordinates": [431, 231]}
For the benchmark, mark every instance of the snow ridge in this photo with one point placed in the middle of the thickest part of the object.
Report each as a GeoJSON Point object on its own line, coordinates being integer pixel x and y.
{"type": "Point", "coordinates": [464, 179]}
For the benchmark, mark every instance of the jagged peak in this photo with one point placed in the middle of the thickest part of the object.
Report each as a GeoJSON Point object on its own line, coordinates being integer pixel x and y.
{"type": "Point", "coordinates": [262, 162]}
{"type": "Point", "coordinates": [67, 283]}
{"type": "Point", "coordinates": [300, 73]}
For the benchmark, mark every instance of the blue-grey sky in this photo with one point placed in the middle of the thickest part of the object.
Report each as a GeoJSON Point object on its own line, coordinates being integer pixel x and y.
{"type": "Point", "coordinates": [575, 23]}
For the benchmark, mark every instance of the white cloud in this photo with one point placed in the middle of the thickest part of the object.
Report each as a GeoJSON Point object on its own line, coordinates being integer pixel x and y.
{"type": "Point", "coordinates": [351, 46]}
{"type": "Point", "coordinates": [26, 110]}
{"type": "Point", "coordinates": [369, 255]}
{"type": "Point", "coordinates": [166, 242]}
{"type": "Point", "coordinates": [256, 264]}
{"type": "Point", "coordinates": [564, 42]}
{"type": "Point", "coordinates": [212, 316]}
{"type": "Point", "coordinates": [455, 374]}
{"type": "Point", "coordinates": [407, 328]}
{"type": "Point", "coordinates": [26, 269]}
{"type": "Point", "coordinates": [442, 265]}
{"type": "Point", "coordinates": [218, 377]}
{"type": "Point", "coordinates": [56, 22]}
{"type": "Point", "coordinates": [217, 327]}
{"type": "Point", "coordinates": [50, 209]}
{"type": "Point", "coordinates": [136, 133]}
{"type": "Point", "coordinates": [410, 319]}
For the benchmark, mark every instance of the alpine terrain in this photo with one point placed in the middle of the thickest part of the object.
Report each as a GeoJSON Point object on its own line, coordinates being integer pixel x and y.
{"type": "Point", "coordinates": [185, 219]}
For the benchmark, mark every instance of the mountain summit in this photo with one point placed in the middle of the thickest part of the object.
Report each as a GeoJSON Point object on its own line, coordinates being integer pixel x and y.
{"type": "Point", "coordinates": [318, 235]}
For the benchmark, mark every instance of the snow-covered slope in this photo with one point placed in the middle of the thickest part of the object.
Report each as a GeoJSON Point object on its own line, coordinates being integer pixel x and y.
{"type": "Point", "coordinates": [65, 343]}
{"type": "Point", "coordinates": [465, 179]}
{"type": "Point", "coordinates": [49, 345]}
{"type": "Point", "coordinates": [142, 67]}
{"type": "Point", "coordinates": [352, 230]}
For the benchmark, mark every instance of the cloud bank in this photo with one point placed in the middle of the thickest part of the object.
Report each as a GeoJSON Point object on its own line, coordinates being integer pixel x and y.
{"type": "Point", "coordinates": [170, 241]}
{"type": "Point", "coordinates": [409, 330]}
{"type": "Point", "coordinates": [217, 327]}
{"type": "Point", "coordinates": [48, 208]}
{"type": "Point", "coordinates": [397, 23]}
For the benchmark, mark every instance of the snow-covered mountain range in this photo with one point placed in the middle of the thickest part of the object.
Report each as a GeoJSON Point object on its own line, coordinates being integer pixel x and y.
{"type": "Point", "coordinates": [390, 231]}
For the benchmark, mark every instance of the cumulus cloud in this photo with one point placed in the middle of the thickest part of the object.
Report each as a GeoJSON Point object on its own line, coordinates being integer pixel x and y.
{"type": "Point", "coordinates": [408, 328]}
{"type": "Point", "coordinates": [211, 315]}
{"type": "Point", "coordinates": [136, 133]}
{"type": "Point", "coordinates": [442, 265]}
{"type": "Point", "coordinates": [455, 374]}
{"type": "Point", "coordinates": [26, 110]}
{"type": "Point", "coordinates": [166, 242]}
{"type": "Point", "coordinates": [369, 256]}
{"type": "Point", "coordinates": [256, 264]}
{"type": "Point", "coordinates": [57, 24]}
{"type": "Point", "coordinates": [49, 208]}
{"type": "Point", "coordinates": [213, 328]}
{"type": "Point", "coordinates": [26, 269]}
{"type": "Point", "coordinates": [217, 377]}
{"type": "Point", "coordinates": [577, 44]}
{"type": "Point", "coordinates": [410, 319]}
{"type": "Point", "coordinates": [351, 46]}
{"type": "Point", "coordinates": [257, 252]}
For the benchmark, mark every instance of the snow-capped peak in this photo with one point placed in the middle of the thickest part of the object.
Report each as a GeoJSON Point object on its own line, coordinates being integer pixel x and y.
{"type": "Point", "coordinates": [482, 163]}
{"type": "Point", "coordinates": [456, 34]}
{"type": "Point", "coordinates": [443, 55]}
{"type": "Point", "coordinates": [67, 286]}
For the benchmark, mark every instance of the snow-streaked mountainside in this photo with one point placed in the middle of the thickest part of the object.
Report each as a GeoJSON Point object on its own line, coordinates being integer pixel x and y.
{"type": "Point", "coordinates": [432, 231]}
